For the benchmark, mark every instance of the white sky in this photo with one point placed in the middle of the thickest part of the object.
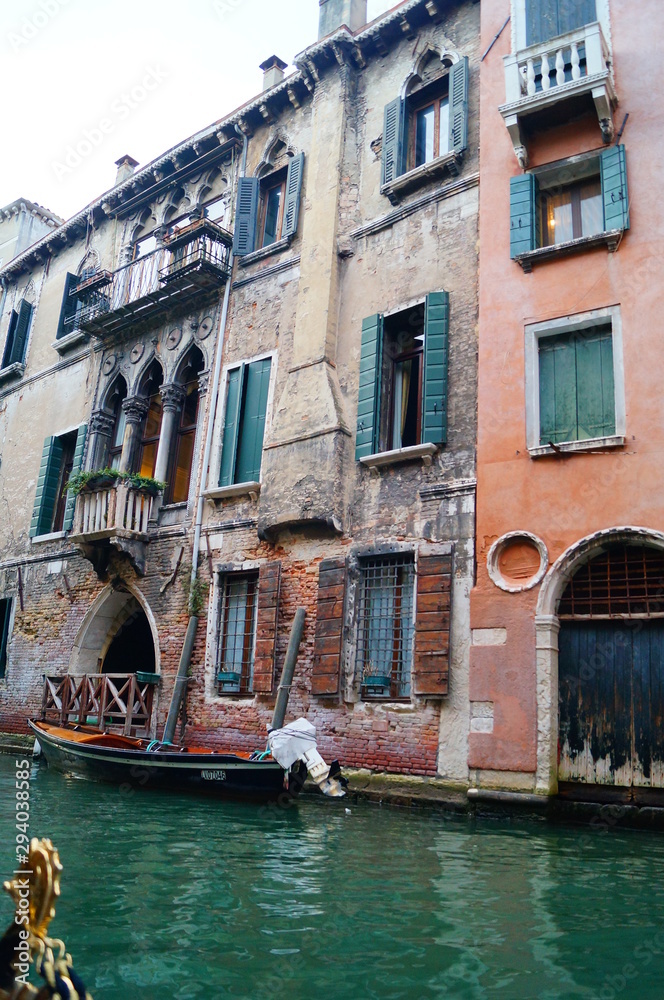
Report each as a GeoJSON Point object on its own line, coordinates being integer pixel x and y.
{"type": "Point", "coordinates": [68, 69]}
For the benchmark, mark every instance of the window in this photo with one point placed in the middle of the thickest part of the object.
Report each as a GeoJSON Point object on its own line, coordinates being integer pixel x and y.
{"type": "Point", "coordinates": [116, 400]}
{"type": "Point", "coordinates": [72, 306]}
{"type": "Point", "coordinates": [62, 457]}
{"type": "Point", "coordinates": [5, 622]}
{"type": "Point", "coordinates": [572, 200]}
{"type": "Point", "coordinates": [547, 19]}
{"type": "Point", "coordinates": [426, 125]}
{"type": "Point", "coordinates": [236, 629]}
{"type": "Point", "coordinates": [179, 475]}
{"type": "Point", "coordinates": [268, 209]}
{"type": "Point", "coordinates": [147, 456]}
{"type": "Point", "coordinates": [403, 378]}
{"type": "Point", "coordinates": [386, 626]}
{"type": "Point", "coordinates": [17, 335]}
{"type": "Point", "coordinates": [247, 390]}
{"type": "Point", "coordinates": [574, 383]}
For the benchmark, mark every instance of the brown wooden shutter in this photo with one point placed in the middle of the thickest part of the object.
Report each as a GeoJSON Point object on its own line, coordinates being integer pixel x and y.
{"type": "Point", "coordinates": [432, 626]}
{"type": "Point", "coordinates": [329, 627]}
{"type": "Point", "coordinates": [269, 578]}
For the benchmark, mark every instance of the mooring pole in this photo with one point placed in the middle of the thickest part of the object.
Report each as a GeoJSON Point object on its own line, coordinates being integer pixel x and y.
{"type": "Point", "coordinates": [289, 669]}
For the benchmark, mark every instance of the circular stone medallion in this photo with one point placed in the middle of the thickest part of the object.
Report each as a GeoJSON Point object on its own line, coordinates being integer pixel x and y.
{"type": "Point", "coordinates": [173, 339]}
{"type": "Point", "coordinates": [137, 353]}
{"type": "Point", "coordinates": [517, 561]}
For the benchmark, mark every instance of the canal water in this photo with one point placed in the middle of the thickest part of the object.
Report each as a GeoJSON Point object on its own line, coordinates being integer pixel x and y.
{"type": "Point", "coordinates": [180, 898]}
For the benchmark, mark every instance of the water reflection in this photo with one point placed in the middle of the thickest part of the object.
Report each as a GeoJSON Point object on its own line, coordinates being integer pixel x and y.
{"type": "Point", "coordinates": [167, 897]}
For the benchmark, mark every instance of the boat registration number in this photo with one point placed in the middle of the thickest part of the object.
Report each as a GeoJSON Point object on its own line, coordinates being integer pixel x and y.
{"type": "Point", "coordinates": [213, 775]}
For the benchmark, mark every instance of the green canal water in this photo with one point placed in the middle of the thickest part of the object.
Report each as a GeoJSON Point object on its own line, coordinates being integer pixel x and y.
{"type": "Point", "coordinates": [180, 898]}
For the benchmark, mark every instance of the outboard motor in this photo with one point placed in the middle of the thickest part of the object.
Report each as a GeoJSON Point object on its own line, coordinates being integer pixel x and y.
{"type": "Point", "coordinates": [297, 741]}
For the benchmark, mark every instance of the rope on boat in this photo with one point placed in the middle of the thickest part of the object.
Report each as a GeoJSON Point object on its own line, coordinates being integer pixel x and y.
{"type": "Point", "coordinates": [62, 982]}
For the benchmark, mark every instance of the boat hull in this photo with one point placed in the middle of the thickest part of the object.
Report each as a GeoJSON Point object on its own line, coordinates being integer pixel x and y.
{"type": "Point", "coordinates": [210, 773]}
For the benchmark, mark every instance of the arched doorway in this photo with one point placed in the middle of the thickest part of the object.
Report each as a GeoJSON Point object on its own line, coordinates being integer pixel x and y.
{"type": "Point", "coordinates": [611, 675]}
{"type": "Point", "coordinates": [117, 636]}
{"type": "Point", "coordinates": [132, 646]}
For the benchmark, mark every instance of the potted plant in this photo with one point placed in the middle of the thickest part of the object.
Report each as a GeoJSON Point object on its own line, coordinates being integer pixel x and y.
{"type": "Point", "coordinates": [98, 479]}
{"type": "Point", "coordinates": [374, 678]}
{"type": "Point", "coordinates": [229, 680]}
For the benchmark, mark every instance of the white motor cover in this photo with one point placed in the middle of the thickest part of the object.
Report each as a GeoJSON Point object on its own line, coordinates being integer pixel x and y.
{"type": "Point", "coordinates": [292, 742]}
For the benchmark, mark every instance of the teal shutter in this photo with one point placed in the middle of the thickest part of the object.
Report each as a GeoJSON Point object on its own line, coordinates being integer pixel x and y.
{"type": "Point", "coordinates": [246, 216]}
{"type": "Point", "coordinates": [524, 215]}
{"type": "Point", "coordinates": [574, 14]}
{"type": "Point", "coordinates": [293, 190]}
{"type": "Point", "coordinates": [394, 141]}
{"type": "Point", "coordinates": [9, 343]}
{"type": "Point", "coordinates": [47, 487]}
{"type": "Point", "coordinates": [231, 425]}
{"type": "Point", "coordinates": [252, 422]}
{"type": "Point", "coordinates": [458, 98]}
{"type": "Point", "coordinates": [547, 19]}
{"type": "Point", "coordinates": [436, 351]}
{"type": "Point", "coordinates": [21, 336]}
{"type": "Point", "coordinates": [596, 408]}
{"type": "Point", "coordinates": [614, 188]}
{"type": "Point", "coordinates": [68, 307]}
{"type": "Point", "coordinates": [77, 465]}
{"type": "Point", "coordinates": [557, 376]}
{"type": "Point", "coordinates": [368, 404]}
{"type": "Point", "coordinates": [5, 615]}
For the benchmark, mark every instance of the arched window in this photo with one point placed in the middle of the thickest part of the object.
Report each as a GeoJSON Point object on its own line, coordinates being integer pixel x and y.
{"type": "Point", "coordinates": [151, 388]}
{"type": "Point", "coordinates": [114, 403]}
{"type": "Point", "coordinates": [183, 446]}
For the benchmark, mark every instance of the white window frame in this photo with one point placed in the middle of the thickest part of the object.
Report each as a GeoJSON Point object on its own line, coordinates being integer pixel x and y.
{"type": "Point", "coordinates": [534, 332]}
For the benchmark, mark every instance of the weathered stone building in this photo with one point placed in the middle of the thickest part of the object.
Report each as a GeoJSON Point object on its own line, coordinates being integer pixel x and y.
{"type": "Point", "coordinates": [310, 403]}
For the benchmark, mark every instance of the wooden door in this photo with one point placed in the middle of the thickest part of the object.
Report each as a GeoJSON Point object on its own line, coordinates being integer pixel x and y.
{"type": "Point", "coordinates": [611, 692]}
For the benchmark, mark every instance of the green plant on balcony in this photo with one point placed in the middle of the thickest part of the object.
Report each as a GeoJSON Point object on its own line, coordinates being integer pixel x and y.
{"type": "Point", "coordinates": [96, 479]}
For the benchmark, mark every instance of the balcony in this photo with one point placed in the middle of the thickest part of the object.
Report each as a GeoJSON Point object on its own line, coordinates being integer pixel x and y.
{"type": "Point", "coordinates": [115, 703]}
{"type": "Point", "coordinates": [192, 265]}
{"type": "Point", "coordinates": [112, 519]}
{"type": "Point", "coordinates": [548, 83]}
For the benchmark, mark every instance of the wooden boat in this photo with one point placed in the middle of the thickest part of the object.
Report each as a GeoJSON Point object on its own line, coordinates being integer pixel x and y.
{"type": "Point", "coordinates": [87, 752]}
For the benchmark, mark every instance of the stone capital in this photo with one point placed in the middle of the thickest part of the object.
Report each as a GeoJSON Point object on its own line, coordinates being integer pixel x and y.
{"type": "Point", "coordinates": [102, 423]}
{"type": "Point", "coordinates": [172, 396]}
{"type": "Point", "coordinates": [135, 409]}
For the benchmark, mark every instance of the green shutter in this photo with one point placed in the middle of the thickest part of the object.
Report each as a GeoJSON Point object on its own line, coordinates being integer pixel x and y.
{"type": "Point", "coordinates": [231, 425]}
{"type": "Point", "coordinates": [546, 19]}
{"type": "Point", "coordinates": [557, 380]}
{"type": "Point", "coordinates": [573, 14]}
{"type": "Point", "coordinates": [524, 215]}
{"type": "Point", "coordinates": [5, 615]}
{"type": "Point", "coordinates": [368, 404]}
{"type": "Point", "coordinates": [436, 350]}
{"type": "Point", "coordinates": [252, 422]}
{"type": "Point", "coordinates": [9, 343]}
{"type": "Point", "coordinates": [459, 106]}
{"type": "Point", "coordinates": [596, 408]}
{"type": "Point", "coordinates": [47, 488]}
{"type": "Point", "coordinates": [293, 190]}
{"type": "Point", "coordinates": [77, 465]}
{"type": "Point", "coordinates": [68, 307]}
{"type": "Point", "coordinates": [21, 336]}
{"type": "Point", "coordinates": [246, 215]}
{"type": "Point", "coordinates": [614, 188]}
{"type": "Point", "coordinates": [394, 141]}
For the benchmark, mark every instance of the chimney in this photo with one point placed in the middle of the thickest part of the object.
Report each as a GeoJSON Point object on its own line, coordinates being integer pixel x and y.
{"type": "Point", "coordinates": [334, 13]}
{"type": "Point", "coordinates": [126, 166]}
{"type": "Point", "coordinates": [273, 71]}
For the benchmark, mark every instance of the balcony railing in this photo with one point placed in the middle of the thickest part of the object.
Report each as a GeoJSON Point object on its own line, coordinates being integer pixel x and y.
{"type": "Point", "coordinates": [193, 263]}
{"type": "Point", "coordinates": [113, 519]}
{"type": "Point", "coordinates": [117, 703]}
{"type": "Point", "coordinates": [574, 65]}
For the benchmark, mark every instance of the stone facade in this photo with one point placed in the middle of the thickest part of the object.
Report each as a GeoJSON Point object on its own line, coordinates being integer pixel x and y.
{"type": "Point", "coordinates": [362, 246]}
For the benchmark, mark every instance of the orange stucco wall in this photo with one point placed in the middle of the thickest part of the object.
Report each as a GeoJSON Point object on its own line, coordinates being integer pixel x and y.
{"type": "Point", "coordinates": [562, 499]}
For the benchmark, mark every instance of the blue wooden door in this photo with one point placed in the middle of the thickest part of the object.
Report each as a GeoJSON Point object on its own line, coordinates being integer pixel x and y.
{"type": "Point", "coordinates": [611, 693]}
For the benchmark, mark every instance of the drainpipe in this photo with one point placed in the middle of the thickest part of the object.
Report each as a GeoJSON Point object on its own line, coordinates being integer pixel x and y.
{"type": "Point", "coordinates": [180, 689]}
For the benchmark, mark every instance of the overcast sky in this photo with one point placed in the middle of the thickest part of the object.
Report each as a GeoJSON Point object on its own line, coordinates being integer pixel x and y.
{"type": "Point", "coordinates": [85, 81]}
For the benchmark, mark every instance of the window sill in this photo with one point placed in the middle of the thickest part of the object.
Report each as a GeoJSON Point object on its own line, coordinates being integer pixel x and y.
{"type": "Point", "coordinates": [610, 239]}
{"type": "Point", "coordinates": [264, 252]}
{"type": "Point", "coordinates": [53, 537]}
{"type": "Point", "coordinates": [571, 447]}
{"type": "Point", "coordinates": [234, 490]}
{"type": "Point", "coordinates": [11, 372]}
{"type": "Point", "coordinates": [396, 189]}
{"type": "Point", "coordinates": [423, 451]}
{"type": "Point", "coordinates": [72, 339]}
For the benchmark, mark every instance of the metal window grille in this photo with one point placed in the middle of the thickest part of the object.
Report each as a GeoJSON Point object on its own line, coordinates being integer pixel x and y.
{"type": "Point", "coordinates": [237, 634]}
{"type": "Point", "coordinates": [625, 580]}
{"type": "Point", "coordinates": [386, 626]}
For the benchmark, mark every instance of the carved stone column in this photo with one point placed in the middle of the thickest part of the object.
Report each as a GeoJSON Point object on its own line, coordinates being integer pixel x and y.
{"type": "Point", "coordinates": [172, 398]}
{"type": "Point", "coordinates": [101, 429]}
{"type": "Point", "coordinates": [135, 409]}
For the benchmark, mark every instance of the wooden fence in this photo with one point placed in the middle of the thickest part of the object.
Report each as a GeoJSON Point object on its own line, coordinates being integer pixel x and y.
{"type": "Point", "coordinates": [113, 702]}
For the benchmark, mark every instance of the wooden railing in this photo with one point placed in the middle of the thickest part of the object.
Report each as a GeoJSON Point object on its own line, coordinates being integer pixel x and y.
{"type": "Point", "coordinates": [112, 508]}
{"type": "Point", "coordinates": [112, 702]}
